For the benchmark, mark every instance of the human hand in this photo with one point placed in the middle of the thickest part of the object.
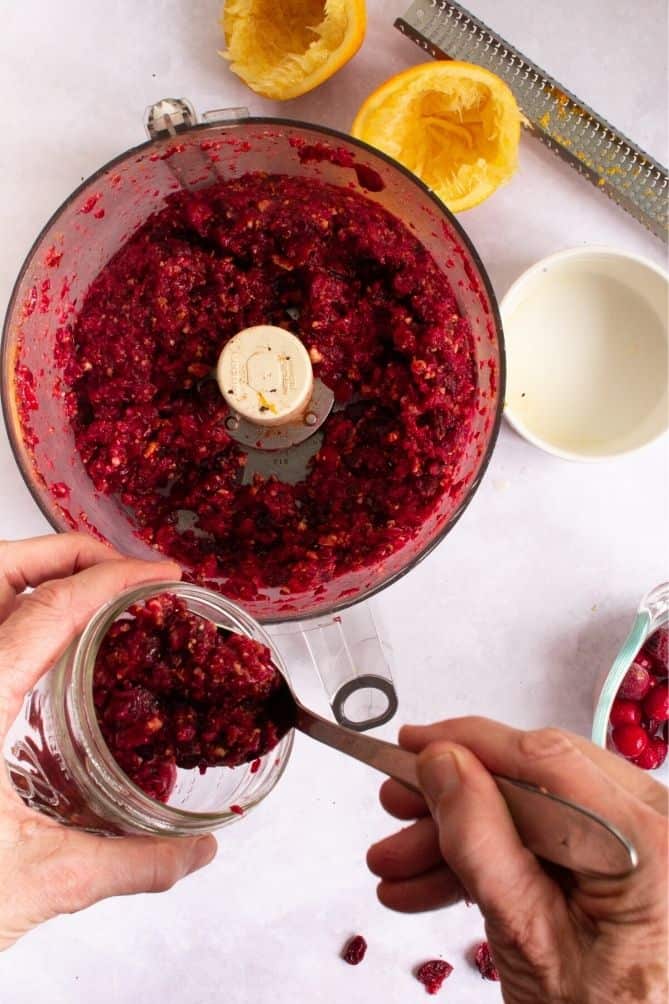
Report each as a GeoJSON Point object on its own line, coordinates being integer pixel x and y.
{"type": "Point", "coordinates": [554, 936]}
{"type": "Point", "coordinates": [45, 868]}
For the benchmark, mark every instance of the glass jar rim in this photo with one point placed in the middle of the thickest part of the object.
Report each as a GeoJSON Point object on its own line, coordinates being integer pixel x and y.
{"type": "Point", "coordinates": [81, 711]}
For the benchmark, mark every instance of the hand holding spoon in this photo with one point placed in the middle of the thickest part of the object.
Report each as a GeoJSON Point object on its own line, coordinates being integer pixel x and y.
{"type": "Point", "coordinates": [553, 828]}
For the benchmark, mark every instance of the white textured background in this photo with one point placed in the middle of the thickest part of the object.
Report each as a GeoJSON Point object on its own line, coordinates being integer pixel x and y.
{"type": "Point", "coordinates": [514, 615]}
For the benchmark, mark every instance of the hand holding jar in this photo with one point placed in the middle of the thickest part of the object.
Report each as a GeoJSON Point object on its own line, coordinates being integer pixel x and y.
{"type": "Point", "coordinates": [554, 936]}
{"type": "Point", "coordinates": [45, 868]}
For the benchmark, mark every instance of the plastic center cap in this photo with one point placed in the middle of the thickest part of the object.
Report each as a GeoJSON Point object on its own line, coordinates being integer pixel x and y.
{"type": "Point", "coordinates": [265, 375]}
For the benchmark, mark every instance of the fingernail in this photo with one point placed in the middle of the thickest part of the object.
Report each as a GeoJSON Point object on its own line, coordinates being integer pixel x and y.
{"type": "Point", "coordinates": [204, 851]}
{"type": "Point", "coordinates": [438, 775]}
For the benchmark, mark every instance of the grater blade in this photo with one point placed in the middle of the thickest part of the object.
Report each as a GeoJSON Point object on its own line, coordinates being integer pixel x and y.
{"type": "Point", "coordinates": [613, 163]}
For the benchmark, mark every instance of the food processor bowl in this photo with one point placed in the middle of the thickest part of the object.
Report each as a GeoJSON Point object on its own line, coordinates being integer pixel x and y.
{"type": "Point", "coordinates": [96, 220]}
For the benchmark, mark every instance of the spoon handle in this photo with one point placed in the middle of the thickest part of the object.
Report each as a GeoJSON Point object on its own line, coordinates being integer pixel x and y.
{"type": "Point", "coordinates": [552, 827]}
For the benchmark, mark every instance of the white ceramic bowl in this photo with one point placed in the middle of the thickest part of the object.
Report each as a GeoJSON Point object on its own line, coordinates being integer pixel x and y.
{"type": "Point", "coordinates": [588, 353]}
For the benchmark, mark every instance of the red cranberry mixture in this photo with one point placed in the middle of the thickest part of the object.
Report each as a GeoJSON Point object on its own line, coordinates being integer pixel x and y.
{"type": "Point", "coordinates": [640, 711]}
{"type": "Point", "coordinates": [383, 331]}
{"type": "Point", "coordinates": [172, 690]}
{"type": "Point", "coordinates": [484, 962]}
{"type": "Point", "coordinates": [355, 950]}
{"type": "Point", "coordinates": [433, 973]}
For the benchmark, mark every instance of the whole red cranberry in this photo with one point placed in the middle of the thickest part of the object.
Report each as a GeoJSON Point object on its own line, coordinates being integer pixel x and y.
{"type": "Point", "coordinates": [644, 660]}
{"type": "Point", "coordinates": [656, 704]}
{"type": "Point", "coordinates": [355, 950]}
{"type": "Point", "coordinates": [625, 713]}
{"type": "Point", "coordinates": [636, 683]}
{"type": "Point", "coordinates": [654, 754]}
{"type": "Point", "coordinates": [630, 740]}
{"type": "Point", "coordinates": [484, 962]}
{"type": "Point", "coordinates": [433, 973]}
{"type": "Point", "coordinates": [658, 646]}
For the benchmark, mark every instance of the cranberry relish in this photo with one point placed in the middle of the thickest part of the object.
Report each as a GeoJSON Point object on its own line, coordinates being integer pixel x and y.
{"type": "Point", "coordinates": [383, 331]}
{"type": "Point", "coordinates": [173, 690]}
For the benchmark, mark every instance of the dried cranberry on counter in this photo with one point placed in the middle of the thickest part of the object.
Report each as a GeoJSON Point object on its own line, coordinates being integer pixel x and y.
{"type": "Point", "coordinates": [433, 973]}
{"type": "Point", "coordinates": [355, 949]}
{"type": "Point", "coordinates": [484, 962]}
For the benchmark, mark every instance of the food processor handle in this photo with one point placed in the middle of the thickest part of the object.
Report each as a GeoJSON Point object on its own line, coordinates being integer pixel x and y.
{"type": "Point", "coordinates": [552, 827]}
{"type": "Point", "coordinates": [353, 662]}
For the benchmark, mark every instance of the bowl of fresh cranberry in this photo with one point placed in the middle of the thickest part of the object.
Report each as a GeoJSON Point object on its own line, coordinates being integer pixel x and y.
{"type": "Point", "coordinates": [632, 712]}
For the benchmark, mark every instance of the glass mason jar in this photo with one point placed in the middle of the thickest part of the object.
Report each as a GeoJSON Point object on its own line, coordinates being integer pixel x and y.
{"type": "Point", "coordinates": [60, 764]}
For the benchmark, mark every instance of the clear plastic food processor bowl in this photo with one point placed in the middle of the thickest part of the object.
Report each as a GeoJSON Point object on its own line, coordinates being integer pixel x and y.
{"type": "Point", "coordinates": [92, 225]}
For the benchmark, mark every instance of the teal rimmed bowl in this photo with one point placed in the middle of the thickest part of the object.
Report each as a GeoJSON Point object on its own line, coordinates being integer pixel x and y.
{"type": "Point", "coordinates": [652, 613]}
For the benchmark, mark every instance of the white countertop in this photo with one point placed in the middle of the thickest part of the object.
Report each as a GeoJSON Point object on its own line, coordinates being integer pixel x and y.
{"type": "Point", "coordinates": [514, 615]}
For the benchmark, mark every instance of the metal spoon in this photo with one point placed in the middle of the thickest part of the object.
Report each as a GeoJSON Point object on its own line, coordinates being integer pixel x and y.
{"type": "Point", "coordinates": [552, 827]}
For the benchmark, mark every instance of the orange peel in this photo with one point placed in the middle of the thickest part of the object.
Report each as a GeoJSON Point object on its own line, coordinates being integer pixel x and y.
{"type": "Point", "coordinates": [455, 125]}
{"type": "Point", "coordinates": [284, 48]}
